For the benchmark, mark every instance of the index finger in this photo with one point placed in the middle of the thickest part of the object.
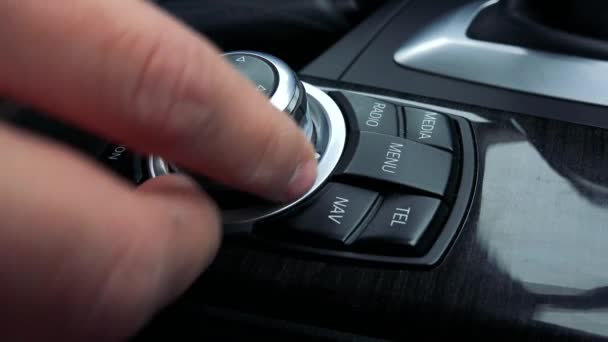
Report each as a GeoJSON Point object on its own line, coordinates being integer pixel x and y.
{"type": "Point", "coordinates": [126, 71]}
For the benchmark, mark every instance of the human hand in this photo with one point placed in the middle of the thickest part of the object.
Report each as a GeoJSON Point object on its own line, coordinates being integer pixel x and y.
{"type": "Point", "coordinates": [84, 255]}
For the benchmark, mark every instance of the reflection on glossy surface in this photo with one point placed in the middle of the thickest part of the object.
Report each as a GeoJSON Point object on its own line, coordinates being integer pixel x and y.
{"type": "Point", "coordinates": [543, 220]}
{"type": "Point", "coordinates": [589, 321]}
{"type": "Point", "coordinates": [530, 262]}
{"type": "Point", "coordinates": [563, 248]}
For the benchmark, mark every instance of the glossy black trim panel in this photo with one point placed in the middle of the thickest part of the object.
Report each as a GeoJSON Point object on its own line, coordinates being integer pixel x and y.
{"type": "Point", "coordinates": [529, 263]}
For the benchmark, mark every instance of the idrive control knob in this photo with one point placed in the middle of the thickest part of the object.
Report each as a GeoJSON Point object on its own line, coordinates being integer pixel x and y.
{"type": "Point", "coordinates": [311, 108]}
{"type": "Point", "coordinates": [278, 81]}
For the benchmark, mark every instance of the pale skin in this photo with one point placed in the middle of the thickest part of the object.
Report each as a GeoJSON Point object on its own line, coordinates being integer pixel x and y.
{"type": "Point", "coordinates": [83, 254]}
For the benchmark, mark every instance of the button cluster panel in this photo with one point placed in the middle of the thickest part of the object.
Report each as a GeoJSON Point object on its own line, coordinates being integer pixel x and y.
{"type": "Point", "coordinates": [399, 193]}
{"type": "Point", "coordinates": [396, 191]}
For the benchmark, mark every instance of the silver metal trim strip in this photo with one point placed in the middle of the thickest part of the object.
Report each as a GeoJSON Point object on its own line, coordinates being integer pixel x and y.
{"type": "Point", "coordinates": [443, 48]}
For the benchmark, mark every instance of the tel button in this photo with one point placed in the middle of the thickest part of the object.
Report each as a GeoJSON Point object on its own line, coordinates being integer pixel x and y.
{"type": "Point", "coordinates": [334, 214]}
{"type": "Point", "coordinates": [428, 128]}
{"type": "Point", "coordinates": [402, 221]}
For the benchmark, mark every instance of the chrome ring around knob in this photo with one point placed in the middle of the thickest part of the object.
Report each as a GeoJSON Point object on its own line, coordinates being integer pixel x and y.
{"type": "Point", "coordinates": [289, 96]}
{"type": "Point", "coordinates": [328, 118]}
{"type": "Point", "coordinates": [289, 93]}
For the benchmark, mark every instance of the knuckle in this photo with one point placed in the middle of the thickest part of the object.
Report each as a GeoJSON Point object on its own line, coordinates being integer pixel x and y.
{"type": "Point", "coordinates": [263, 168]}
{"type": "Point", "coordinates": [162, 96]}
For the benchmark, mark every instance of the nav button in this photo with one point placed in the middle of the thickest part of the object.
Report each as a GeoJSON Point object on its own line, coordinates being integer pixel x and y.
{"type": "Point", "coordinates": [333, 215]}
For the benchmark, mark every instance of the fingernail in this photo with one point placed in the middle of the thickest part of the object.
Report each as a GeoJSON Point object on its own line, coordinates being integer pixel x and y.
{"type": "Point", "coordinates": [302, 180]}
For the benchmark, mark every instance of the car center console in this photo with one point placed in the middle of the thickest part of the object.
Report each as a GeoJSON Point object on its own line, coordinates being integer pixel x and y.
{"type": "Point", "coordinates": [456, 209]}
{"type": "Point", "coordinates": [448, 204]}
{"type": "Point", "coordinates": [394, 178]}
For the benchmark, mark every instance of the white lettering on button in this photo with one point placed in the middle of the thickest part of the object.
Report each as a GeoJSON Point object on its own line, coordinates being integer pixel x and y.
{"type": "Point", "coordinates": [117, 153]}
{"type": "Point", "coordinates": [373, 120]}
{"type": "Point", "coordinates": [392, 158]}
{"type": "Point", "coordinates": [427, 126]}
{"type": "Point", "coordinates": [339, 209]}
{"type": "Point", "coordinates": [400, 216]}
{"type": "Point", "coordinates": [241, 59]}
{"type": "Point", "coordinates": [261, 87]}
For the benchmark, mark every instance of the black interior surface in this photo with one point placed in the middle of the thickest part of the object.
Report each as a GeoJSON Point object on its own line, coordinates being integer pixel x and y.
{"type": "Point", "coordinates": [295, 31]}
{"type": "Point", "coordinates": [529, 261]}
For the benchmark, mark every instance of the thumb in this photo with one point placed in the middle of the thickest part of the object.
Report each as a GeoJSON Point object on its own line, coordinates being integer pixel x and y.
{"type": "Point", "coordinates": [85, 256]}
{"type": "Point", "coordinates": [182, 239]}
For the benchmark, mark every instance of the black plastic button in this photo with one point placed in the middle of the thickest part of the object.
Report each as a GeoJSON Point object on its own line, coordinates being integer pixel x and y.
{"type": "Point", "coordinates": [402, 162]}
{"type": "Point", "coordinates": [401, 221]}
{"type": "Point", "coordinates": [120, 160]}
{"type": "Point", "coordinates": [261, 73]}
{"type": "Point", "coordinates": [428, 128]}
{"type": "Point", "coordinates": [334, 214]}
{"type": "Point", "coordinates": [373, 115]}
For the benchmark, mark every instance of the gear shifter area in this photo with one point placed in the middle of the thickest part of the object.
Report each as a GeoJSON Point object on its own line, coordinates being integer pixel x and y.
{"type": "Point", "coordinates": [568, 27]}
{"type": "Point", "coordinates": [507, 44]}
{"type": "Point", "coordinates": [393, 183]}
